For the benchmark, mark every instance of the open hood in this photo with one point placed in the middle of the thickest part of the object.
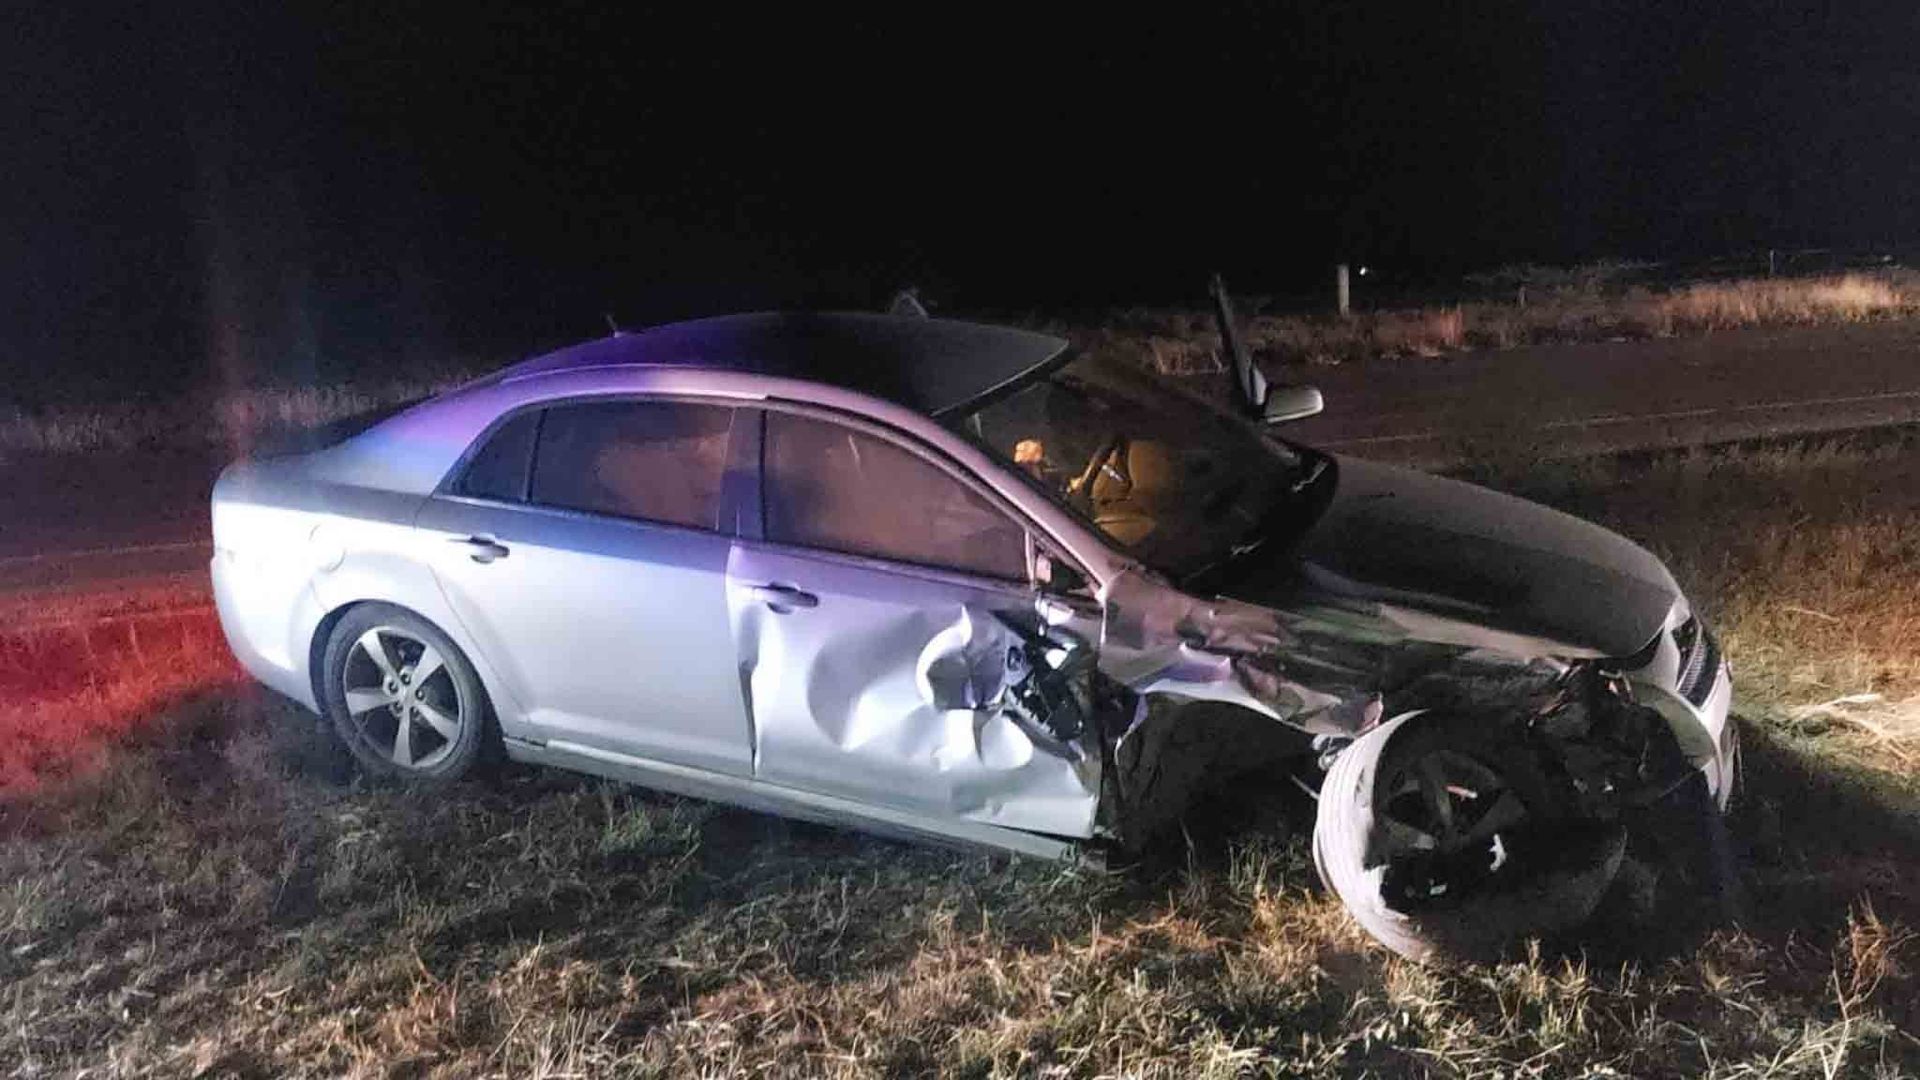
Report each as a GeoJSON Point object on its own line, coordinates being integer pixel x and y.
{"type": "Point", "coordinates": [1466, 553]}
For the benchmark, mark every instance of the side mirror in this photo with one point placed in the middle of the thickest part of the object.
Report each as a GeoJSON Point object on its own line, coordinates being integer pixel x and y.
{"type": "Point", "coordinates": [1258, 397]}
{"type": "Point", "coordinates": [1290, 402]}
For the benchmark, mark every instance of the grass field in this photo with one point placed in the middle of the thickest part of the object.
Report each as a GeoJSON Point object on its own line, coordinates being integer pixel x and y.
{"type": "Point", "coordinates": [219, 894]}
{"type": "Point", "coordinates": [234, 418]}
{"type": "Point", "coordinates": [78, 671]}
{"type": "Point", "coordinates": [1566, 306]}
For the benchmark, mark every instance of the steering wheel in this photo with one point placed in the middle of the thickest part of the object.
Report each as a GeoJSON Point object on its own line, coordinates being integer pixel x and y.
{"type": "Point", "coordinates": [1079, 491]}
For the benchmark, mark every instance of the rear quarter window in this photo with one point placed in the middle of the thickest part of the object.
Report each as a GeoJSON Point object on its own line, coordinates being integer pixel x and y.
{"type": "Point", "coordinates": [499, 470]}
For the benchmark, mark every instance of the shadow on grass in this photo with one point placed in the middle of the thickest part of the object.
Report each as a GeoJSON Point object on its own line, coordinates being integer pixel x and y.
{"type": "Point", "coordinates": [1817, 834]}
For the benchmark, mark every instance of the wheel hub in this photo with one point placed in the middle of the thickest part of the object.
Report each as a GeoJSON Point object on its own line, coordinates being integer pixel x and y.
{"type": "Point", "coordinates": [389, 673]}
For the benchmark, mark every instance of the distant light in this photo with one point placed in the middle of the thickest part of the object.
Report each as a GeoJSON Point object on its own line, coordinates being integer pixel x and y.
{"type": "Point", "coordinates": [1363, 271]}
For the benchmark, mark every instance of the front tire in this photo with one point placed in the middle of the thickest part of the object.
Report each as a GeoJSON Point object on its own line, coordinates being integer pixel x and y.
{"type": "Point", "coordinates": [403, 697]}
{"type": "Point", "coordinates": [1430, 828]}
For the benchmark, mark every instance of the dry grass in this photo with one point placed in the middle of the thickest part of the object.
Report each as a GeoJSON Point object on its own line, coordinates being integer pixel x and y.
{"type": "Point", "coordinates": [220, 902]}
{"type": "Point", "coordinates": [78, 670]}
{"type": "Point", "coordinates": [1566, 309]}
{"type": "Point", "coordinates": [1721, 306]}
{"type": "Point", "coordinates": [1585, 303]}
{"type": "Point", "coordinates": [1808, 558]}
{"type": "Point", "coordinates": [225, 897]}
{"type": "Point", "coordinates": [223, 901]}
{"type": "Point", "coordinates": [235, 418]}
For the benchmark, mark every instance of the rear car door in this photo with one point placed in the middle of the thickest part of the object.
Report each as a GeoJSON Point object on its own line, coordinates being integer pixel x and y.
{"type": "Point", "coordinates": [583, 549]}
{"type": "Point", "coordinates": [877, 620]}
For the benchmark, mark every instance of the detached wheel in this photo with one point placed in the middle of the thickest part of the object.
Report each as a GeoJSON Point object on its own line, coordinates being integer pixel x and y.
{"type": "Point", "coordinates": [1443, 841]}
{"type": "Point", "coordinates": [403, 697]}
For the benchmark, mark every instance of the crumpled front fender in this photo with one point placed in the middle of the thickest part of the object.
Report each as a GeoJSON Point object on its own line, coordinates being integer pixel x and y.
{"type": "Point", "coordinates": [1320, 670]}
{"type": "Point", "coordinates": [1320, 663]}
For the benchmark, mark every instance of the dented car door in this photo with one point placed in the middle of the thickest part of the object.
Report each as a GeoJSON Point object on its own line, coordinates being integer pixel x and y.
{"type": "Point", "coordinates": [882, 618]}
{"type": "Point", "coordinates": [584, 553]}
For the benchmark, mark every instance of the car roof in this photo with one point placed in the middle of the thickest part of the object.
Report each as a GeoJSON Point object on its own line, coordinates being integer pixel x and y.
{"type": "Point", "coordinates": [933, 366]}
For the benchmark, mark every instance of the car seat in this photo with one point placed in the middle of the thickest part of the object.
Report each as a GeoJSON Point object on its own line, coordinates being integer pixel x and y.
{"type": "Point", "coordinates": [1133, 488]}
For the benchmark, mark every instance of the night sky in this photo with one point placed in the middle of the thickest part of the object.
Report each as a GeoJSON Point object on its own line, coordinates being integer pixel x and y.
{"type": "Point", "coordinates": [312, 193]}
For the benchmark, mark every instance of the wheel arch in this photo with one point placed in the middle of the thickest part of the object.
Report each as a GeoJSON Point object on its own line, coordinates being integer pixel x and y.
{"type": "Point", "coordinates": [1186, 748]}
{"type": "Point", "coordinates": [317, 649]}
{"type": "Point", "coordinates": [503, 708]}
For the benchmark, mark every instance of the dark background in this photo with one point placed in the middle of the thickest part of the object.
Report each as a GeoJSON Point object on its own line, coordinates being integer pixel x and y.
{"type": "Point", "coordinates": [296, 192]}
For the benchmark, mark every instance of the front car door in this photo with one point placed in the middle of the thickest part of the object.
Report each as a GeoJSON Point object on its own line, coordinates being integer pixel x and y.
{"type": "Point", "coordinates": [880, 619]}
{"type": "Point", "coordinates": [583, 551]}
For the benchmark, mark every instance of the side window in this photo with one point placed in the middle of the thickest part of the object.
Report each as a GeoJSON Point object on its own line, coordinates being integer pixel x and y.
{"type": "Point", "coordinates": [499, 470]}
{"type": "Point", "coordinates": [829, 486]}
{"type": "Point", "coordinates": [657, 460]}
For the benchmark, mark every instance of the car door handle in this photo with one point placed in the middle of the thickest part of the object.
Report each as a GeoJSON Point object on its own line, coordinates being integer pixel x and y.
{"type": "Point", "coordinates": [783, 598]}
{"type": "Point", "coordinates": [482, 548]}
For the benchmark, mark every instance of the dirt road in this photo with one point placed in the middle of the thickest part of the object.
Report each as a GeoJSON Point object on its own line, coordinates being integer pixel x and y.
{"type": "Point", "coordinates": [70, 521]}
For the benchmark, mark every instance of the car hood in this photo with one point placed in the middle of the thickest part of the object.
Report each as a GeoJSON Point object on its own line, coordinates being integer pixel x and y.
{"type": "Point", "coordinates": [1463, 552]}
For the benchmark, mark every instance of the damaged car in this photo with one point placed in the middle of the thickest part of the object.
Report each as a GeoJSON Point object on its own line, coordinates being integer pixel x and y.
{"type": "Point", "coordinates": [952, 581]}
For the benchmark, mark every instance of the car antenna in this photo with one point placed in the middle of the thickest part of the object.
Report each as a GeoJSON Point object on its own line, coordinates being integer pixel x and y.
{"type": "Point", "coordinates": [613, 325]}
{"type": "Point", "coordinates": [907, 303]}
{"type": "Point", "coordinates": [1249, 382]}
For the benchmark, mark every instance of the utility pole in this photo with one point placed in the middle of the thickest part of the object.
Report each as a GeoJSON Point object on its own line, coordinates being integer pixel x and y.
{"type": "Point", "coordinates": [1342, 291]}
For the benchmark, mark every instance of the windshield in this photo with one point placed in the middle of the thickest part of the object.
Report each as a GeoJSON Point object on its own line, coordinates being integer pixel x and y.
{"type": "Point", "coordinates": [1176, 483]}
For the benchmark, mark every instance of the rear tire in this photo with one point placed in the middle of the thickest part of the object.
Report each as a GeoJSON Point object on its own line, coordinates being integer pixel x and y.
{"type": "Point", "coordinates": [402, 696]}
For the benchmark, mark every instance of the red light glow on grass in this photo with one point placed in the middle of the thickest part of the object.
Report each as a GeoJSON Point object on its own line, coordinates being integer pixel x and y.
{"type": "Point", "coordinates": [79, 672]}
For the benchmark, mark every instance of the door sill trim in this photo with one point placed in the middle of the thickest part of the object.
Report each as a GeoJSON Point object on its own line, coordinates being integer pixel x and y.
{"type": "Point", "coordinates": [786, 801]}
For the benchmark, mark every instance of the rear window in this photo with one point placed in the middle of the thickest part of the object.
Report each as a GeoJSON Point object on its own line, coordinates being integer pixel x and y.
{"type": "Point", "coordinates": [652, 460]}
{"type": "Point", "coordinates": [499, 470]}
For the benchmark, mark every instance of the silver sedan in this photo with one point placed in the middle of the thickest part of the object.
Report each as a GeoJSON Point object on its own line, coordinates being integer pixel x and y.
{"type": "Point", "coordinates": [947, 580]}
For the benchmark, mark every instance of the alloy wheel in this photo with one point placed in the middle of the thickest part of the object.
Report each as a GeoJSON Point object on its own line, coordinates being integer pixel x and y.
{"type": "Point", "coordinates": [1447, 803]}
{"type": "Point", "coordinates": [403, 701]}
